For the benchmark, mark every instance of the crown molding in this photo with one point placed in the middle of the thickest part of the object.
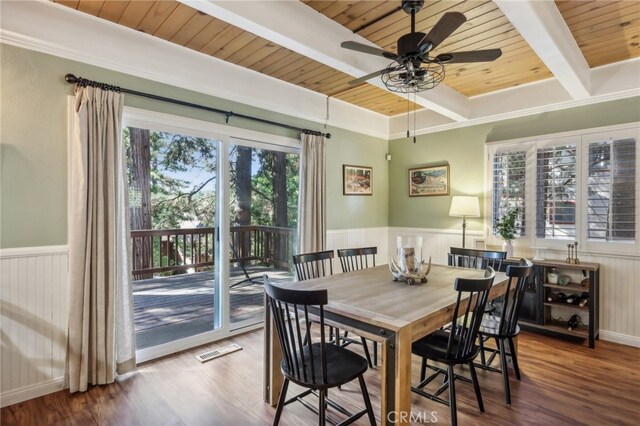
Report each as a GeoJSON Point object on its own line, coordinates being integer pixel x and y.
{"type": "Point", "coordinates": [609, 82]}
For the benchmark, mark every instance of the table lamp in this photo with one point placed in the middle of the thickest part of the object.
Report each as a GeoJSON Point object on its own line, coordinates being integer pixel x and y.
{"type": "Point", "coordinates": [464, 206]}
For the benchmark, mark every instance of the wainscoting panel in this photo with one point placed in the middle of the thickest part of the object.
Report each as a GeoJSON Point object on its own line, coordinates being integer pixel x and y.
{"type": "Point", "coordinates": [33, 310]}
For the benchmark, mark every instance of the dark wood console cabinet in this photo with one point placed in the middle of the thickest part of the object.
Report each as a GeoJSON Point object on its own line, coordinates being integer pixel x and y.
{"type": "Point", "coordinates": [550, 317]}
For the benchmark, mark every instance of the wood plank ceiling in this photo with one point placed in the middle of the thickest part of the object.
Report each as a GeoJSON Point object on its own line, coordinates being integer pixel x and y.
{"type": "Point", "coordinates": [604, 30]}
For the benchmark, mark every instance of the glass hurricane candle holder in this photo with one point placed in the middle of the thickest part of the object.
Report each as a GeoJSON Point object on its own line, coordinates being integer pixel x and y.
{"type": "Point", "coordinates": [409, 252]}
{"type": "Point", "coordinates": [408, 264]}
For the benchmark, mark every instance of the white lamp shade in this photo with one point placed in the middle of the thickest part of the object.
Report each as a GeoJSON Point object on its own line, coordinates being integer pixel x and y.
{"type": "Point", "coordinates": [464, 206]}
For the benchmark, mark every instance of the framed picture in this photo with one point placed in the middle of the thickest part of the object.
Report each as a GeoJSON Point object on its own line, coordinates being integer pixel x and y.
{"type": "Point", "coordinates": [425, 181]}
{"type": "Point", "coordinates": [356, 180]}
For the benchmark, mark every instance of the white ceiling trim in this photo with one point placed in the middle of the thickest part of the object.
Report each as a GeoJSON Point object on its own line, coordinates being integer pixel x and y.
{"type": "Point", "coordinates": [298, 27]}
{"type": "Point", "coordinates": [614, 81]}
{"type": "Point", "coordinates": [61, 31]}
{"type": "Point", "coordinates": [545, 30]}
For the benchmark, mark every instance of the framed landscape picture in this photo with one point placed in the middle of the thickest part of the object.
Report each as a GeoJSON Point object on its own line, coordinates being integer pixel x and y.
{"type": "Point", "coordinates": [426, 181]}
{"type": "Point", "coordinates": [356, 180]}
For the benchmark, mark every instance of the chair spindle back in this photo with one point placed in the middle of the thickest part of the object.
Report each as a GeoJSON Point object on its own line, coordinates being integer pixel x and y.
{"type": "Point", "coordinates": [354, 259]}
{"type": "Point", "coordinates": [514, 296]}
{"type": "Point", "coordinates": [464, 332]}
{"type": "Point", "coordinates": [313, 265]}
{"type": "Point", "coordinates": [476, 259]}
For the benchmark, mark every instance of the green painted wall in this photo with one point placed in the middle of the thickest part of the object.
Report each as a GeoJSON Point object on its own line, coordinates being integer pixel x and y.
{"type": "Point", "coordinates": [463, 150]}
{"type": "Point", "coordinates": [33, 153]}
{"type": "Point", "coordinates": [33, 150]}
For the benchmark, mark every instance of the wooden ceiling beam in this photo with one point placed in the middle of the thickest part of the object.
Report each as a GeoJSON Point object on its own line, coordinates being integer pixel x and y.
{"type": "Point", "coordinates": [543, 27]}
{"type": "Point", "coordinates": [288, 24]}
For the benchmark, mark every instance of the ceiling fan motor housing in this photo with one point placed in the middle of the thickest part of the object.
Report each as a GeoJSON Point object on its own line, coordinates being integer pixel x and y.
{"type": "Point", "coordinates": [412, 5]}
{"type": "Point", "coordinates": [408, 45]}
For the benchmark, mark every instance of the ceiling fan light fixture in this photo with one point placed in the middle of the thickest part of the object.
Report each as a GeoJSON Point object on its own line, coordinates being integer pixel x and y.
{"type": "Point", "coordinates": [414, 69]}
{"type": "Point", "coordinates": [399, 79]}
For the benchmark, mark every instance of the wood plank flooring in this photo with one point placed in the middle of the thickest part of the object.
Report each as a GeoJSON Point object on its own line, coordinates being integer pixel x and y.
{"type": "Point", "coordinates": [563, 383]}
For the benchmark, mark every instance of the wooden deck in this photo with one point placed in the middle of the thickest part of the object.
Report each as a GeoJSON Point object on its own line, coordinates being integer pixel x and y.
{"type": "Point", "coordinates": [179, 306]}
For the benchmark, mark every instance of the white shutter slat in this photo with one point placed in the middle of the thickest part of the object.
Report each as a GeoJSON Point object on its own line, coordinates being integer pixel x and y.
{"type": "Point", "coordinates": [611, 202]}
{"type": "Point", "coordinates": [509, 183]}
{"type": "Point", "coordinates": [556, 192]}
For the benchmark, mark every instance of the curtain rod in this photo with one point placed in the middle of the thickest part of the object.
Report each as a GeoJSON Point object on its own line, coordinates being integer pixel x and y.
{"type": "Point", "coordinates": [72, 79]}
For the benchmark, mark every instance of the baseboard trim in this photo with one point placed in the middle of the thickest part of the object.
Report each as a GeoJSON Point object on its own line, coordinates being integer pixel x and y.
{"type": "Point", "coordinates": [623, 339]}
{"type": "Point", "coordinates": [32, 391]}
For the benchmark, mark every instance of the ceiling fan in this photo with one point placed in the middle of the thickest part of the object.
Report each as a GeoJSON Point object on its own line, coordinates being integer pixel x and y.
{"type": "Point", "coordinates": [414, 69]}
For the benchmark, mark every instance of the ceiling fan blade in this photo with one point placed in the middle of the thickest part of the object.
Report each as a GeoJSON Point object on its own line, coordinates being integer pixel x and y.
{"type": "Point", "coordinates": [471, 56]}
{"type": "Point", "coordinates": [364, 78]}
{"type": "Point", "coordinates": [449, 22]}
{"type": "Point", "coordinates": [359, 47]}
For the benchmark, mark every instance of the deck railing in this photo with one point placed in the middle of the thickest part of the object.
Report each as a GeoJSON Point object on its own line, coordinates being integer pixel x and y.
{"type": "Point", "coordinates": [177, 250]}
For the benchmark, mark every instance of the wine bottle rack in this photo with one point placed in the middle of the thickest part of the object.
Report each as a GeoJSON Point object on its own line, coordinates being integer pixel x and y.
{"type": "Point", "coordinates": [543, 315]}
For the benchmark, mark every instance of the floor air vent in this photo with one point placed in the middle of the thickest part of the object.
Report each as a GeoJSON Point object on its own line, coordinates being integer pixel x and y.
{"type": "Point", "coordinates": [215, 353]}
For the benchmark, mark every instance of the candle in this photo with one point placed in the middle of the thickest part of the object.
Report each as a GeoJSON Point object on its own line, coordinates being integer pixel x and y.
{"type": "Point", "coordinates": [408, 259]}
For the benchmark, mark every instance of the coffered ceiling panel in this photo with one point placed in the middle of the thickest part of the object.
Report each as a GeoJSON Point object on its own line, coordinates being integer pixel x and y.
{"type": "Point", "coordinates": [606, 31]}
{"type": "Point", "coordinates": [486, 28]}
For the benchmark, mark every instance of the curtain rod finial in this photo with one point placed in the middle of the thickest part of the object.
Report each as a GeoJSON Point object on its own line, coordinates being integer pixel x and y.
{"type": "Point", "coordinates": [70, 78]}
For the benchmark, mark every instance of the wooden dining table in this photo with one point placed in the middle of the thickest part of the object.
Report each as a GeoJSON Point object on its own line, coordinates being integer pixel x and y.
{"type": "Point", "coordinates": [369, 303]}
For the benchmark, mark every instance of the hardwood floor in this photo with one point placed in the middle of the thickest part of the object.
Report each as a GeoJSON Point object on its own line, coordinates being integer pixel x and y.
{"type": "Point", "coordinates": [563, 383]}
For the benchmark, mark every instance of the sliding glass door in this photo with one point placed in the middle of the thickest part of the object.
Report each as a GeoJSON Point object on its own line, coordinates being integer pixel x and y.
{"type": "Point", "coordinates": [210, 215]}
{"type": "Point", "coordinates": [172, 199]}
{"type": "Point", "coordinates": [263, 214]}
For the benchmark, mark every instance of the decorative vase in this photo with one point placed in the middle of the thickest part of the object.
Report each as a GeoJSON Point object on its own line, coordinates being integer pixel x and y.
{"type": "Point", "coordinates": [508, 247]}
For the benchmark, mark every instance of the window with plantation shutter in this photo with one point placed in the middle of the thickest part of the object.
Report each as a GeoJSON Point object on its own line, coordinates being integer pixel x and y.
{"type": "Point", "coordinates": [509, 184]}
{"type": "Point", "coordinates": [579, 186]}
{"type": "Point", "coordinates": [611, 202]}
{"type": "Point", "coordinates": [556, 192]}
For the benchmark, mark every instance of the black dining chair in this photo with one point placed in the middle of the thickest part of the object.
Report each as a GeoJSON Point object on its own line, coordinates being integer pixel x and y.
{"type": "Point", "coordinates": [477, 259]}
{"type": "Point", "coordinates": [355, 259]}
{"type": "Point", "coordinates": [316, 366]}
{"type": "Point", "coordinates": [313, 265]}
{"type": "Point", "coordinates": [457, 345]}
{"type": "Point", "coordinates": [316, 265]}
{"type": "Point", "coordinates": [504, 328]}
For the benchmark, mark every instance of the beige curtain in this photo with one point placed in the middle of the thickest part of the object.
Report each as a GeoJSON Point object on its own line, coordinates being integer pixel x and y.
{"type": "Point", "coordinates": [101, 340]}
{"type": "Point", "coordinates": [312, 222]}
